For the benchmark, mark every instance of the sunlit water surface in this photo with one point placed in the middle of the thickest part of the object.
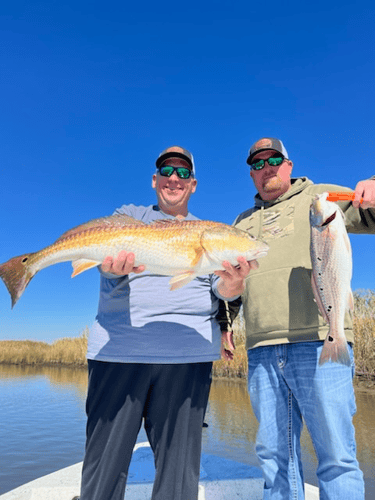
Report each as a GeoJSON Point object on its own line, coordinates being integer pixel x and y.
{"type": "Point", "coordinates": [42, 425]}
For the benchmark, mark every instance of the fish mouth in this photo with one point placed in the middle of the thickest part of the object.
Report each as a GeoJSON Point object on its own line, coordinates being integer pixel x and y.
{"type": "Point", "coordinates": [329, 219]}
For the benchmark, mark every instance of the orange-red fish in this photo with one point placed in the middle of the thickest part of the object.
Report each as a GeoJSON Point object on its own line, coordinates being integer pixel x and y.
{"type": "Point", "coordinates": [331, 258]}
{"type": "Point", "coordinates": [181, 249]}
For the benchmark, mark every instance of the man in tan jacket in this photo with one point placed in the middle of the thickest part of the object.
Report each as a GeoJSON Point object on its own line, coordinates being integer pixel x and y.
{"type": "Point", "coordinates": [285, 333]}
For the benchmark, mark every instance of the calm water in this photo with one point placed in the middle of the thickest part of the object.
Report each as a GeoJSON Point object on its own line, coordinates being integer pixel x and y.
{"type": "Point", "coordinates": [42, 425]}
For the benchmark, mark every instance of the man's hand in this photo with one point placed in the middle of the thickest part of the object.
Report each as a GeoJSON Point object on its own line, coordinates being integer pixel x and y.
{"type": "Point", "coordinates": [122, 265]}
{"type": "Point", "coordinates": [227, 338]}
{"type": "Point", "coordinates": [232, 281]}
{"type": "Point", "coordinates": [365, 190]}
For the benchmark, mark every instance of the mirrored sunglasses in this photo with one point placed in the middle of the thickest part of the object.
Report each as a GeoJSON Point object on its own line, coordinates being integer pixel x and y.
{"type": "Point", "coordinates": [274, 161]}
{"type": "Point", "coordinates": [182, 172]}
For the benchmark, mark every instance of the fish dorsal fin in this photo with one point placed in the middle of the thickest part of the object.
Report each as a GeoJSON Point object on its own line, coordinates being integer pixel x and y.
{"type": "Point", "coordinates": [112, 221]}
{"type": "Point", "coordinates": [165, 222]}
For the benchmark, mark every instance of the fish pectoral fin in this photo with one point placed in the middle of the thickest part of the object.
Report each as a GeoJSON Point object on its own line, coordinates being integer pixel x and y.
{"type": "Point", "coordinates": [81, 265]}
{"type": "Point", "coordinates": [198, 255]}
{"type": "Point", "coordinates": [181, 280]}
{"type": "Point", "coordinates": [350, 301]}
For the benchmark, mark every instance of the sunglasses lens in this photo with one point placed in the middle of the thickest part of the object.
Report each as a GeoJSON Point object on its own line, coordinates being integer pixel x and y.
{"type": "Point", "coordinates": [166, 171]}
{"type": "Point", "coordinates": [183, 173]}
{"type": "Point", "coordinates": [274, 162]}
{"type": "Point", "coordinates": [258, 165]}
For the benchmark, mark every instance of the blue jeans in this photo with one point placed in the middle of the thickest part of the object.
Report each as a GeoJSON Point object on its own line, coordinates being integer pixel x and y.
{"type": "Point", "coordinates": [285, 384]}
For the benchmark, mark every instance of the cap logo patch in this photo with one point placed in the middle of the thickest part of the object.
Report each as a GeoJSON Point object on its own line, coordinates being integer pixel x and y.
{"type": "Point", "coordinates": [263, 143]}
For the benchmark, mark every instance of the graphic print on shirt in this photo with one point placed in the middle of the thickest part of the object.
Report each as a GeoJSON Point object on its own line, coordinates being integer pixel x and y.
{"type": "Point", "coordinates": [275, 223]}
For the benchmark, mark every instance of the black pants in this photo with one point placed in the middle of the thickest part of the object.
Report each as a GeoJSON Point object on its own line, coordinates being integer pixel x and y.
{"type": "Point", "coordinates": [171, 399]}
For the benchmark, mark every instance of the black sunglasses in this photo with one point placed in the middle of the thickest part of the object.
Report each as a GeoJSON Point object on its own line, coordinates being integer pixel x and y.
{"type": "Point", "coordinates": [182, 172]}
{"type": "Point", "coordinates": [274, 161]}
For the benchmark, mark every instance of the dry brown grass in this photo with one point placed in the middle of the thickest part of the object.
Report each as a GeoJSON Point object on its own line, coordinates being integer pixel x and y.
{"type": "Point", "coordinates": [72, 351]}
{"type": "Point", "coordinates": [66, 351]}
{"type": "Point", "coordinates": [364, 333]}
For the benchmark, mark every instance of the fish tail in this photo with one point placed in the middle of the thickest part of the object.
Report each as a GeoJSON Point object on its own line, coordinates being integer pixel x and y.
{"type": "Point", "coordinates": [16, 274]}
{"type": "Point", "coordinates": [336, 350]}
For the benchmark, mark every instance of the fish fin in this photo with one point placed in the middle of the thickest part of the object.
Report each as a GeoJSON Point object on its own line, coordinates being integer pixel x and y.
{"type": "Point", "coordinates": [335, 349]}
{"type": "Point", "coordinates": [198, 255]}
{"type": "Point", "coordinates": [350, 301]}
{"type": "Point", "coordinates": [81, 265]}
{"type": "Point", "coordinates": [181, 280]}
{"type": "Point", "coordinates": [166, 222]}
{"type": "Point", "coordinates": [16, 275]}
{"type": "Point", "coordinates": [318, 300]}
{"type": "Point", "coordinates": [112, 221]}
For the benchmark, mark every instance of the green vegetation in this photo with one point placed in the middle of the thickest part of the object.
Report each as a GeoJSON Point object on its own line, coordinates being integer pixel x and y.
{"type": "Point", "coordinates": [72, 351]}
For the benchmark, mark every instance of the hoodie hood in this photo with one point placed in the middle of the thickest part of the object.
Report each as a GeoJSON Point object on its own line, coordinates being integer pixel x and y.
{"type": "Point", "coordinates": [298, 185]}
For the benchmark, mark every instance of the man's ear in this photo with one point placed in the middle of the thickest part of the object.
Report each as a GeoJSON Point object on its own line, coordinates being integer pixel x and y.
{"type": "Point", "coordinates": [153, 182]}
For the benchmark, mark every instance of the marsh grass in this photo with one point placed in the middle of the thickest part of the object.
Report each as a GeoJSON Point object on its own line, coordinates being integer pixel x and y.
{"type": "Point", "coordinates": [72, 351]}
{"type": "Point", "coordinates": [65, 351]}
{"type": "Point", "coordinates": [364, 333]}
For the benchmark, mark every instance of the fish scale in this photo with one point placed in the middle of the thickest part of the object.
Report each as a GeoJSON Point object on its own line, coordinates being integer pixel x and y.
{"type": "Point", "coordinates": [181, 249]}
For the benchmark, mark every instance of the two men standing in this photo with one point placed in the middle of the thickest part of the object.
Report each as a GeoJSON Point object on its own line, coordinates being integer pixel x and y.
{"type": "Point", "coordinates": [152, 363]}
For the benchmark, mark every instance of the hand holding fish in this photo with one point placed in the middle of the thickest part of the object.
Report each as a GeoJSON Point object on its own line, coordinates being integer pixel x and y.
{"type": "Point", "coordinates": [182, 250]}
{"type": "Point", "coordinates": [121, 265]}
{"type": "Point", "coordinates": [366, 191]}
{"type": "Point", "coordinates": [227, 353]}
{"type": "Point", "coordinates": [232, 281]}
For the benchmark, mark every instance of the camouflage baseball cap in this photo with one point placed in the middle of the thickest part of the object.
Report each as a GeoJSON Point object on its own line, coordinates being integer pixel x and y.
{"type": "Point", "coordinates": [264, 144]}
{"type": "Point", "coordinates": [176, 152]}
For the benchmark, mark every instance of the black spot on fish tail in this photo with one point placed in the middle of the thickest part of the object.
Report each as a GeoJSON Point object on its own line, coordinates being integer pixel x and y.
{"type": "Point", "coordinates": [330, 339]}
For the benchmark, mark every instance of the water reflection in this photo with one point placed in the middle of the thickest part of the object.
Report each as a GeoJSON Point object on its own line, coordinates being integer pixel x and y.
{"type": "Point", "coordinates": [233, 426]}
{"type": "Point", "coordinates": [42, 425]}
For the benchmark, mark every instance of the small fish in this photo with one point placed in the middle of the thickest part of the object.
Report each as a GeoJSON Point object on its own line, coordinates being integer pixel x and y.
{"type": "Point", "coordinates": [331, 258]}
{"type": "Point", "coordinates": [181, 249]}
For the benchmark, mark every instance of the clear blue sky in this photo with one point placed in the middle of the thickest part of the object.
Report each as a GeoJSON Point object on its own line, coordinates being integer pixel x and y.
{"type": "Point", "coordinates": [91, 92]}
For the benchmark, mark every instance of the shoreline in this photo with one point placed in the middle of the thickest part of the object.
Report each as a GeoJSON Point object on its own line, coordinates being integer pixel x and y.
{"type": "Point", "coordinates": [361, 382]}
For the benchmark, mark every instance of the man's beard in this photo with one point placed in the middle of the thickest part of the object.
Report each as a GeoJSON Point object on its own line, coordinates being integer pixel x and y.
{"type": "Point", "coordinates": [272, 184]}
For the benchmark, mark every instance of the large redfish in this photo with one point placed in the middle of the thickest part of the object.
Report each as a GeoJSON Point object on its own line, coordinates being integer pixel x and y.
{"type": "Point", "coordinates": [182, 249]}
{"type": "Point", "coordinates": [331, 258]}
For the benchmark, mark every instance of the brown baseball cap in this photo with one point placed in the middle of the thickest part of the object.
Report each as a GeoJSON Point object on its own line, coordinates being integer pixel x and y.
{"type": "Point", "coordinates": [176, 152]}
{"type": "Point", "coordinates": [264, 144]}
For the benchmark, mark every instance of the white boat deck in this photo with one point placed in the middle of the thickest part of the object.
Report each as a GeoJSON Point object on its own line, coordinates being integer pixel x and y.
{"type": "Point", "coordinates": [221, 479]}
